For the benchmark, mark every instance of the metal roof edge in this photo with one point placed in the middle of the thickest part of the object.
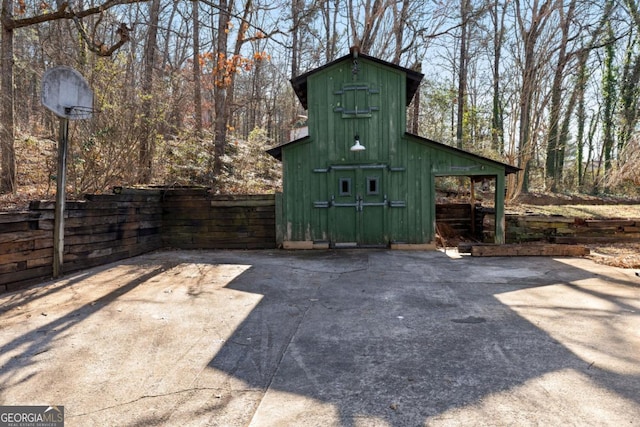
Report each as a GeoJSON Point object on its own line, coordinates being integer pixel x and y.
{"type": "Point", "coordinates": [276, 152]}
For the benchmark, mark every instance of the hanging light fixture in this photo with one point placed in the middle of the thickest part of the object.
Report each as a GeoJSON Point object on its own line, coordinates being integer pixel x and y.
{"type": "Point", "coordinates": [357, 146]}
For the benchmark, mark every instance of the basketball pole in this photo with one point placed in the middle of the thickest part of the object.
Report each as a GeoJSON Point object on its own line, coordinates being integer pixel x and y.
{"type": "Point", "coordinates": [68, 95]}
{"type": "Point", "coordinates": [61, 181]}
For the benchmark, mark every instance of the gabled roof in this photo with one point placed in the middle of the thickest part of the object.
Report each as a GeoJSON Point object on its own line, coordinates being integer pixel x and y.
{"type": "Point", "coordinates": [508, 169]}
{"type": "Point", "coordinates": [300, 83]}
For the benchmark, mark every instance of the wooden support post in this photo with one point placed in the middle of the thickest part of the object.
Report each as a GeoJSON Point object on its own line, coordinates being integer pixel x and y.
{"type": "Point", "coordinates": [472, 196]}
{"type": "Point", "coordinates": [499, 210]}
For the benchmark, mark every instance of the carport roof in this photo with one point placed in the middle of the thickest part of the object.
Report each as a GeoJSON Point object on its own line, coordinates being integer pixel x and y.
{"type": "Point", "coordinates": [508, 169]}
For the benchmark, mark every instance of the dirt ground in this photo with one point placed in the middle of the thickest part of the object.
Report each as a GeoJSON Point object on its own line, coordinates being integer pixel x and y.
{"type": "Point", "coordinates": [624, 255]}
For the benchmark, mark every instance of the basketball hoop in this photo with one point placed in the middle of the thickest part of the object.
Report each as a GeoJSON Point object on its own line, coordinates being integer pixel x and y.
{"type": "Point", "coordinates": [67, 93]}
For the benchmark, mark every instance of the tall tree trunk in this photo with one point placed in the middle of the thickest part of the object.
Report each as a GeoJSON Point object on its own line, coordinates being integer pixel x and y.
{"type": "Point", "coordinates": [630, 82]}
{"type": "Point", "coordinates": [296, 12]}
{"type": "Point", "coordinates": [223, 84]}
{"type": "Point", "coordinates": [530, 66]}
{"type": "Point", "coordinates": [147, 137]}
{"type": "Point", "coordinates": [629, 92]}
{"type": "Point", "coordinates": [462, 72]}
{"type": "Point", "coordinates": [400, 19]}
{"type": "Point", "coordinates": [578, 102]}
{"type": "Point", "coordinates": [225, 76]}
{"type": "Point", "coordinates": [172, 121]}
{"type": "Point", "coordinates": [591, 149]}
{"type": "Point", "coordinates": [609, 95]}
{"type": "Point", "coordinates": [497, 121]}
{"type": "Point", "coordinates": [581, 121]}
{"type": "Point", "coordinates": [237, 49]}
{"type": "Point", "coordinates": [555, 149]}
{"type": "Point", "coordinates": [197, 73]}
{"type": "Point", "coordinates": [257, 98]}
{"type": "Point", "coordinates": [330, 21]}
{"type": "Point", "coordinates": [7, 120]}
{"type": "Point", "coordinates": [526, 101]}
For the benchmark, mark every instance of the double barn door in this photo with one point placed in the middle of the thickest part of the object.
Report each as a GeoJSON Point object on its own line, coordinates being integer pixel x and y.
{"type": "Point", "coordinates": [358, 204]}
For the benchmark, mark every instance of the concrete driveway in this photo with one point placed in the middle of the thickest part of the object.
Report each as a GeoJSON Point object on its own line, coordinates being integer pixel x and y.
{"type": "Point", "coordinates": [328, 338]}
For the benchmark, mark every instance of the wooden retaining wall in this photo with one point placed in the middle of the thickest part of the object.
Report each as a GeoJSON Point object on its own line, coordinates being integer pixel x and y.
{"type": "Point", "coordinates": [107, 228]}
{"type": "Point", "coordinates": [98, 230]}
{"type": "Point", "coordinates": [198, 220]}
{"type": "Point", "coordinates": [563, 230]}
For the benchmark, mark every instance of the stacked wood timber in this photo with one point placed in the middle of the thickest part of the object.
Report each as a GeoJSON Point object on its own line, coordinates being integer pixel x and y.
{"type": "Point", "coordinates": [545, 249]}
{"type": "Point", "coordinates": [26, 251]}
{"type": "Point", "coordinates": [456, 219]}
{"type": "Point", "coordinates": [563, 230]}
{"type": "Point", "coordinates": [601, 231]}
{"type": "Point", "coordinates": [98, 230]}
{"type": "Point", "coordinates": [198, 220]}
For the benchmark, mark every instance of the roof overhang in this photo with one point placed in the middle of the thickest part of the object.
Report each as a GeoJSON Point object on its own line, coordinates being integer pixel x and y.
{"type": "Point", "coordinates": [276, 151]}
{"type": "Point", "coordinates": [413, 78]}
{"type": "Point", "coordinates": [508, 169]}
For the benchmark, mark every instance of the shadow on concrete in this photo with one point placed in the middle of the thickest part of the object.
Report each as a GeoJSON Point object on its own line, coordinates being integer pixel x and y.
{"type": "Point", "coordinates": [34, 293]}
{"type": "Point", "coordinates": [350, 338]}
{"type": "Point", "coordinates": [402, 338]}
{"type": "Point", "coordinates": [42, 339]}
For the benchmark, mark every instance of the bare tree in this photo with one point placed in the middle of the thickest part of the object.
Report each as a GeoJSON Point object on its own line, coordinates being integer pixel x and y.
{"type": "Point", "coordinates": [609, 87]}
{"type": "Point", "coordinates": [197, 72]}
{"type": "Point", "coordinates": [297, 7]}
{"type": "Point", "coordinates": [465, 12]}
{"type": "Point", "coordinates": [630, 81]}
{"type": "Point", "coordinates": [7, 119]}
{"type": "Point", "coordinates": [330, 20]}
{"type": "Point", "coordinates": [147, 140]}
{"type": "Point", "coordinates": [531, 30]}
{"type": "Point", "coordinates": [9, 24]}
{"type": "Point", "coordinates": [497, 109]}
{"type": "Point", "coordinates": [555, 142]}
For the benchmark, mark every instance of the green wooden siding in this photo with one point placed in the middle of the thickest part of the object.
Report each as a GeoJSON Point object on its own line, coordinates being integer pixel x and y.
{"type": "Point", "coordinates": [404, 167]}
{"type": "Point", "coordinates": [379, 132]}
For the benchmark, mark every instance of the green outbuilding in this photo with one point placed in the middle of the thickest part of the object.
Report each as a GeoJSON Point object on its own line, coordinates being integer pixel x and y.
{"type": "Point", "coordinates": [358, 178]}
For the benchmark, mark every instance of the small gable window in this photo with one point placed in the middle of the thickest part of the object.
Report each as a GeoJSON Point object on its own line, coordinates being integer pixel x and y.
{"type": "Point", "coordinates": [356, 100]}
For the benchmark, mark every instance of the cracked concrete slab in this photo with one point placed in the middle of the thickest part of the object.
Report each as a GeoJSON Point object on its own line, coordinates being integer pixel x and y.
{"type": "Point", "coordinates": [328, 338]}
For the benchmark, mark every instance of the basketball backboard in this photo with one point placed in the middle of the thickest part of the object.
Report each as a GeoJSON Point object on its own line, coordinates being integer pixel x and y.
{"type": "Point", "coordinates": [67, 93]}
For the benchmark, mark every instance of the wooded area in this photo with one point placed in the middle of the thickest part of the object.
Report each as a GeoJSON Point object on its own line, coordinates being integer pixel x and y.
{"type": "Point", "coordinates": [192, 92]}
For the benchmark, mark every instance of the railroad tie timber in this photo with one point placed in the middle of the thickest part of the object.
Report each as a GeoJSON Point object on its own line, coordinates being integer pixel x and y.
{"type": "Point", "coordinates": [559, 250]}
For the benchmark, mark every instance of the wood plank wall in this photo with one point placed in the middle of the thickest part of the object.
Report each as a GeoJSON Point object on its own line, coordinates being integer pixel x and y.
{"type": "Point", "coordinates": [563, 230]}
{"type": "Point", "coordinates": [98, 230]}
{"type": "Point", "coordinates": [198, 220]}
{"type": "Point", "coordinates": [457, 219]}
{"type": "Point", "coordinates": [107, 228]}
